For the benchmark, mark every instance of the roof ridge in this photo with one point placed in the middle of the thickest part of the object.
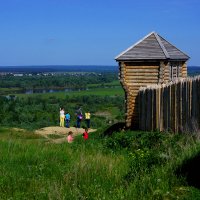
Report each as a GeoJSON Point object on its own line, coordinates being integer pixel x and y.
{"type": "Point", "coordinates": [153, 47]}
{"type": "Point", "coordinates": [161, 45]}
{"type": "Point", "coordinates": [134, 45]}
{"type": "Point", "coordinates": [174, 46]}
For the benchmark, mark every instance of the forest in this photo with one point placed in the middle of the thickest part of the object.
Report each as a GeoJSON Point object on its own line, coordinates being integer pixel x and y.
{"type": "Point", "coordinates": [56, 80]}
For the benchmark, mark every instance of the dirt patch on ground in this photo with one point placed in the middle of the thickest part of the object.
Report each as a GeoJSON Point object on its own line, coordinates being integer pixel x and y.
{"type": "Point", "coordinates": [61, 131]}
{"type": "Point", "coordinates": [103, 114]}
{"type": "Point", "coordinates": [19, 129]}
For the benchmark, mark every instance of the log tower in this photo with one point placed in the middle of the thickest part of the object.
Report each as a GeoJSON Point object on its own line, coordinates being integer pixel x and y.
{"type": "Point", "coordinates": [152, 60]}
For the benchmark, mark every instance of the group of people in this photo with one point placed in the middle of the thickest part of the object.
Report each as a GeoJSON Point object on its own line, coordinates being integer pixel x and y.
{"type": "Point", "coordinates": [65, 121]}
{"type": "Point", "coordinates": [65, 118]}
{"type": "Point", "coordinates": [70, 137]}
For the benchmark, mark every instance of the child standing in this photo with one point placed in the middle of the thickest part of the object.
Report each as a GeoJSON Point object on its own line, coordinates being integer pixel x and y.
{"type": "Point", "coordinates": [70, 137]}
{"type": "Point", "coordinates": [85, 134]}
{"type": "Point", "coordinates": [67, 119]}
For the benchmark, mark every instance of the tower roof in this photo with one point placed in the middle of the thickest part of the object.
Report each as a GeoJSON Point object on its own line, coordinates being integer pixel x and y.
{"type": "Point", "coordinates": [152, 47]}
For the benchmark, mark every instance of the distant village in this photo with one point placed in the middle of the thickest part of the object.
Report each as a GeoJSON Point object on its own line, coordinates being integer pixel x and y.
{"type": "Point", "coordinates": [21, 74]}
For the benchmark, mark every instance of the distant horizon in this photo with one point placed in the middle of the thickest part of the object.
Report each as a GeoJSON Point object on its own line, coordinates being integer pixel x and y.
{"type": "Point", "coordinates": [84, 65]}
{"type": "Point", "coordinates": [68, 68]}
{"type": "Point", "coordinates": [56, 65]}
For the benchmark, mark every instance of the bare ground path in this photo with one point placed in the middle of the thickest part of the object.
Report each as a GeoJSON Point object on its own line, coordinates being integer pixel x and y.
{"type": "Point", "coordinates": [62, 132]}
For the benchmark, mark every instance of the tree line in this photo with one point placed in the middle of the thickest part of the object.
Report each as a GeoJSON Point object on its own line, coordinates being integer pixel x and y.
{"type": "Point", "coordinates": [65, 80]}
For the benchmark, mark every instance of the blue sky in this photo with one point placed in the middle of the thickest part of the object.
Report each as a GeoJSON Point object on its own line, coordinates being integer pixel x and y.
{"type": "Point", "coordinates": [92, 32]}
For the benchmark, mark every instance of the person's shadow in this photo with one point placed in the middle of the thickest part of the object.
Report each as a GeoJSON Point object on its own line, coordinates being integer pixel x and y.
{"type": "Point", "coordinates": [114, 128]}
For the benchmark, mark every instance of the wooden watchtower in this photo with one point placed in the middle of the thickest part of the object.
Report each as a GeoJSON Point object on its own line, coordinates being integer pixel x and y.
{"type": "Point", "coordinates": [152, 60]}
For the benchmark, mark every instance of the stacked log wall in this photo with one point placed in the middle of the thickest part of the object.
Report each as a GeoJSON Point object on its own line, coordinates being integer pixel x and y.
{"type": "Point", "coordinates": [132, 77]}
{"type": "Point", "coordinates": [184, 70]}
{"type": "Point", "coordinates": [171, 107]}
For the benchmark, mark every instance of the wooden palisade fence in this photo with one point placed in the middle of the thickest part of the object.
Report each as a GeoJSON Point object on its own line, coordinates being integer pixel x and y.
{"type": "Point", "coordinates": [170, 107]}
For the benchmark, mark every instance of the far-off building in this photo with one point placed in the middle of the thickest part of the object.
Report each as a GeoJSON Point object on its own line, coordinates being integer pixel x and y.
{"type": "Point", "coordinates": [152, 60]}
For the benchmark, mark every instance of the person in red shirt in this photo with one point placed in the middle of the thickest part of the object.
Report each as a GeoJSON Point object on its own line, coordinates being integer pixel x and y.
{"type": "Point", "coordinates": [85, 134]}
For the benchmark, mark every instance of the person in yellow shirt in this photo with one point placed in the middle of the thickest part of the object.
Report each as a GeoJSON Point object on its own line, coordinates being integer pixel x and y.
{"type": "Point", "coordinates": [87, 119]}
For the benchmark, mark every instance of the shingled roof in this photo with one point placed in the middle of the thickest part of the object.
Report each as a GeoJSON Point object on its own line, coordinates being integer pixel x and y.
{"type": "Point", "coordinates": [152, 47]}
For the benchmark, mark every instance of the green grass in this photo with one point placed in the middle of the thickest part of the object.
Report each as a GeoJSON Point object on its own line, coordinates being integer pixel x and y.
{"type": "Point", "coordinates": [128, 165]}
{"type": "Point", "coordinates": [51, 171]}
{"type": "Point", "coordinates": [9, 89]}
{"type": "Point", "coordinates": [97, 91]}
{"type": "Point", "coordinates": [4, 91]}
{"type": "Point", "coordinates": [113, 83]}
{"type": "Point", "coordinates": [55, 136]}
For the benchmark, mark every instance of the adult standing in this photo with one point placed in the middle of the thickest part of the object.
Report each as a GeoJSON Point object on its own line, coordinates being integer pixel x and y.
{"type": "Point", "coordinates": [79, 117]}
{"type": "Point", "coordinates": [62, 117]}
{"type": "Point", "coordinates": [87, 119]}
{"type": "Point", "coordinates": [78, 120]}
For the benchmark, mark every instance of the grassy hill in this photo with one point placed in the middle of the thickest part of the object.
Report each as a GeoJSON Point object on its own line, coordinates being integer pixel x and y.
{"type": "Point", "coordinates": [126, 165]}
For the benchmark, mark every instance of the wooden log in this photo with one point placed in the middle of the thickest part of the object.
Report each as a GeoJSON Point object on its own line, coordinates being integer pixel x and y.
{"type": "Point", "coordinates": [154, 104]}
{"type": "Point", "coordinates": [181, 107]}
{"type": "Point", "coordinates": [165, 108]}
{"type": "Point", "coordinates": [143, 122]}
{"type": "Point", "coordinates": [142, 67]}
{"type": "Point", "coordinates": [157, 107]}
{"type": "Point", "coordinates": [184, 109]}
{"type": "Point", "coordinates": [142, 81]}
{"type": "Point", "coordinates": [148, 104]}
{"type": "Point", "coordinates": [187, 107]}
{"type": "Point", "coordinates": [130, 84]}
{"type": "Point", "coordinates": [152, 109]}
{"type": "Point", "coordinates": [178, 92]}
{"type": "Point", "coordinates": [172, 119]}
{"type": "Point", "coordinates": [161, 73]}
{"type": "Point", "coordinates": [198, 104]}
{"type": "Point", "coordinates": [142, 70]}
{"type": "Point", "coordinates": [190, 103]}
{"type": "Point", "coordinates": [160, 109]}
{"type": "Point", "coordinates": [141, 107]}
{"type": "Point", "coordinates": [194, 101]}
{"type": "Point", "coordinates": [141, 73]}
{"type": "Point", "coordinates": [169, 109]}
{"type": "Point", "coordinates": [141, 78]}
{"type": "Point", "coordinates": [184, 70]}
{"type": "Point", "coordinates": [133, 93]}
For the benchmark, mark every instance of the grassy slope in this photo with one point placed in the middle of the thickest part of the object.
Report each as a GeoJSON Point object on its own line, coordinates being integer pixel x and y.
{"type": "Point", "coordinates": [100, 168]}
{"type": "Point", "coordinates": [34, 169]}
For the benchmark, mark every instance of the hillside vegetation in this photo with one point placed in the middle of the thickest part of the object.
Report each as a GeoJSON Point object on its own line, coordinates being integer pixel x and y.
{"type": "Point", "coordinates": [126, 165]}
{"type": "Point", "coordinates": [104, 99]}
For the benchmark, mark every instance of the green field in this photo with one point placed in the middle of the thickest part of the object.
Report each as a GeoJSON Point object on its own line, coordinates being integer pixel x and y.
{"type": "Point", "coordinates": [97, 91]}
{"type": "Point", "coordinates": [115, 83]}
